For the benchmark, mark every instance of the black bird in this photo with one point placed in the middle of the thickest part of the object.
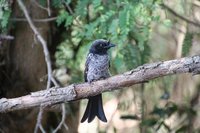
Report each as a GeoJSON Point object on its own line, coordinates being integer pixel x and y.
{"type": "Point", "coordinates": [96, 68]}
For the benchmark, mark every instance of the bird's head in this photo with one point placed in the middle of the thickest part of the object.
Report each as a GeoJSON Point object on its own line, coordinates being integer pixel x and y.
{"type": "Point", "coordinates": [100, 46]}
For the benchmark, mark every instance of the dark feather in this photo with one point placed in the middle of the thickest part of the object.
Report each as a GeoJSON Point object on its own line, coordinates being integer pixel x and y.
{"type": "Point", "coordinates": [86, 69]}
{"type": "Point", "coordinates": [94, 108]}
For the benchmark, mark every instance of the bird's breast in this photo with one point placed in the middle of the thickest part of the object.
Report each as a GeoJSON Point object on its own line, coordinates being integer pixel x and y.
{"type": "Point", "coordinates": [98, 67]}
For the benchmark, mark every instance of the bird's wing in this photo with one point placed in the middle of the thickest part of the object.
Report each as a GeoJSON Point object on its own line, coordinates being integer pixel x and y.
{"type": "Point", "coordinates": [86, 66]}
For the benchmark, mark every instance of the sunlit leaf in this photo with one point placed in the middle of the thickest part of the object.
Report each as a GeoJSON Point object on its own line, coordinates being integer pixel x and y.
{"type": "Point", "coordinates": [187, 44]}
{"type": "Point", "coordinates": [167, 23]}
{"type": "Point", "coordinates": [149, 122]}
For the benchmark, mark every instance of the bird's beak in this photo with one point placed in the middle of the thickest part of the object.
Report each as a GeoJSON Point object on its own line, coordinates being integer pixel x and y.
{"type": "Point", "coordinates": [110, 45]}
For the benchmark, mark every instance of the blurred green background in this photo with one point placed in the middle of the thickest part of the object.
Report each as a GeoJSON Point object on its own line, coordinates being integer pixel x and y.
{"type": "Point", "coordinates": [144, 31]}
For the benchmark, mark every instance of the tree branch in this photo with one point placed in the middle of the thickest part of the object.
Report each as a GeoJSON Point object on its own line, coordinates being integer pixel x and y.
{"type": "Point", "coordinates": [180, 16]}
{"type": "Point", "coordinates": [35, 20]}
{"type": "Point", "coordinates": [79, 91]}
{"type": "Point", "coordinates": [42, 41]}
{"type": "Point", "coordinates": [5, 37]}
{"type": "Point", "coordinates": [47, 59]}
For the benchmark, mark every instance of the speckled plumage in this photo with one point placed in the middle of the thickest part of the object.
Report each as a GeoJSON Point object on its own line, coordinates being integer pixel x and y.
{"type": "Point", "coordinates": [96, 68]}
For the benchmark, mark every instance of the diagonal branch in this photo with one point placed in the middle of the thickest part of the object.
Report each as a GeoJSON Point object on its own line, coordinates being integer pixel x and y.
{"type": "Point", "coordinates": [47, 59]}
{"type": "Point", "coordinates": [42, 41]}
{"type": "Point", "coordinates": [180, 16]}
{"type": "Point", "coordinates": [63, 119]}
{"type": "Point", "coordinates": [73, 92]}
{"type": "Point", "coordinates": [43, 20]}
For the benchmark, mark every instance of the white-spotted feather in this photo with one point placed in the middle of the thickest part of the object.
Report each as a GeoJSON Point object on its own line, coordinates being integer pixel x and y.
{"type": "Point", "coordinates": [97, 67]}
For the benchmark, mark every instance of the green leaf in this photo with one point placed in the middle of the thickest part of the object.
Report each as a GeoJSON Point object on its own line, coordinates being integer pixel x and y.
{"type": "Point", "coordinates": [65, 18]}
{"type": "Point", "coordinates": [81, 8]}
{"type": "Point", "coordinates": [123, 18]}
{"type": "Point", "coordinates": [96, 3]}
{"type": "Point", "coordinates": [113, 29]}
{"type": "Point", "coordinates": [145, 54]}
{"type": "Point", "coordinates": [171, 108]}
{"type": "Point", "coordinates": [155, 18]}
{"type": "Point", "coordinates": [167, 23]}
{"type": "Point", "coordinates": [119, 63]}
{"type": "Point", "coordinates": [43, 2]}
{"type": "Point", "coordinates": [68, 21]}
{"type": "Point", "coordinates": [141, 45]}
{"type": "Point", "coordinates": [124, 21]}
{"type": "Point", "coordinates": [149, 122]}
{"type": "Point", "coordinates": [4, 21]}
{"type": "Point", "coordinates": [159, 111]}
{"type": "Point", "coordinates": [5, 12]}
{"type": "Point", "coordinates": [127, 23]}
{"type": "Point", "coordinates": [91, 29]}
{"type": "Point", "coordinates": [187, 44]}
{"type": "Point", "coordinates": [131, 56]}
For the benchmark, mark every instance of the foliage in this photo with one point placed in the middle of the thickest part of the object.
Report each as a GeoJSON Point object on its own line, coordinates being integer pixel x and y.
{"type": "Point", "coordinates": [5, 12]}
{"type": "Point", "coordinates": [157, 118]}
{"type": "Point", "coordinates": [65, 18]}
{"type": "Point", "coordinates": [187, 44]}
{"type": "Point", "coordinates": [126, 23]}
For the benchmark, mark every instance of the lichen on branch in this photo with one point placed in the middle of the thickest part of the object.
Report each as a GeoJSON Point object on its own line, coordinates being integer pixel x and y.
{"type": "Point", "coordinates": [73, 92]}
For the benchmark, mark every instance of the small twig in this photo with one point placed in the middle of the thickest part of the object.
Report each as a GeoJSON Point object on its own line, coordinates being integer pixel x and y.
{"type": "Point", "coordinates": [71, 12]}
{"type": "Point", "coordinates": [42, 129]}
{"type": "Point", "coordinates": [196, 3]}
{"type": "Point", "coordinates": [42, 41]}
{"type": "Point", "coordinates": [180, 16]}
{"type": "Point", "coordinates": [47, 59]}
{"type": "Point", "coordinates": [48, 8]}
{"type": "Point", "coordinates": [142, 128]}
{"type": "Point", "coordinates": [35, 20]}
{"type": "Point", "coordinates": [40, 6]}
{"type": "Point", "coordinates": [6, 37]}
{"type": "Point", "coordinates": [62, 122]}
{"type": "Point", "coordinates": [55, 82]}
{"type": "Point", "coordinates": [39, 119]}
{"type": "Point", "coordinates": [66, 127]}
{"type": "Point", "coordinates": [68, 7]}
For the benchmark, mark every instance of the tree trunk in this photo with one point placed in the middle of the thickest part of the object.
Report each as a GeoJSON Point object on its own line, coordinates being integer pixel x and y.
{"type": "Point", "coordinates": [25, 69]}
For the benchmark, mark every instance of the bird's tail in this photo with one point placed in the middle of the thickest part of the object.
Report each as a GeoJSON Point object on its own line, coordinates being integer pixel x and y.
{"type": "Point", "coordinates": [94, 108]}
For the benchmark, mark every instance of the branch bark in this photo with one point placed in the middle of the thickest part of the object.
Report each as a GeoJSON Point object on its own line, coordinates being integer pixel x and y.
{"type": "Point", "coordinates": [45, 20]}
{"type": "Point", "coordinates": [73, 92]}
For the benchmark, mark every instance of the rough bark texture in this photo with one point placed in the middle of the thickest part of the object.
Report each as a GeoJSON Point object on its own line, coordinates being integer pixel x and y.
{"type": "Point", "coordinates": [78, 91]}
{"type": "Point", "coordinates": [25, 67]}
